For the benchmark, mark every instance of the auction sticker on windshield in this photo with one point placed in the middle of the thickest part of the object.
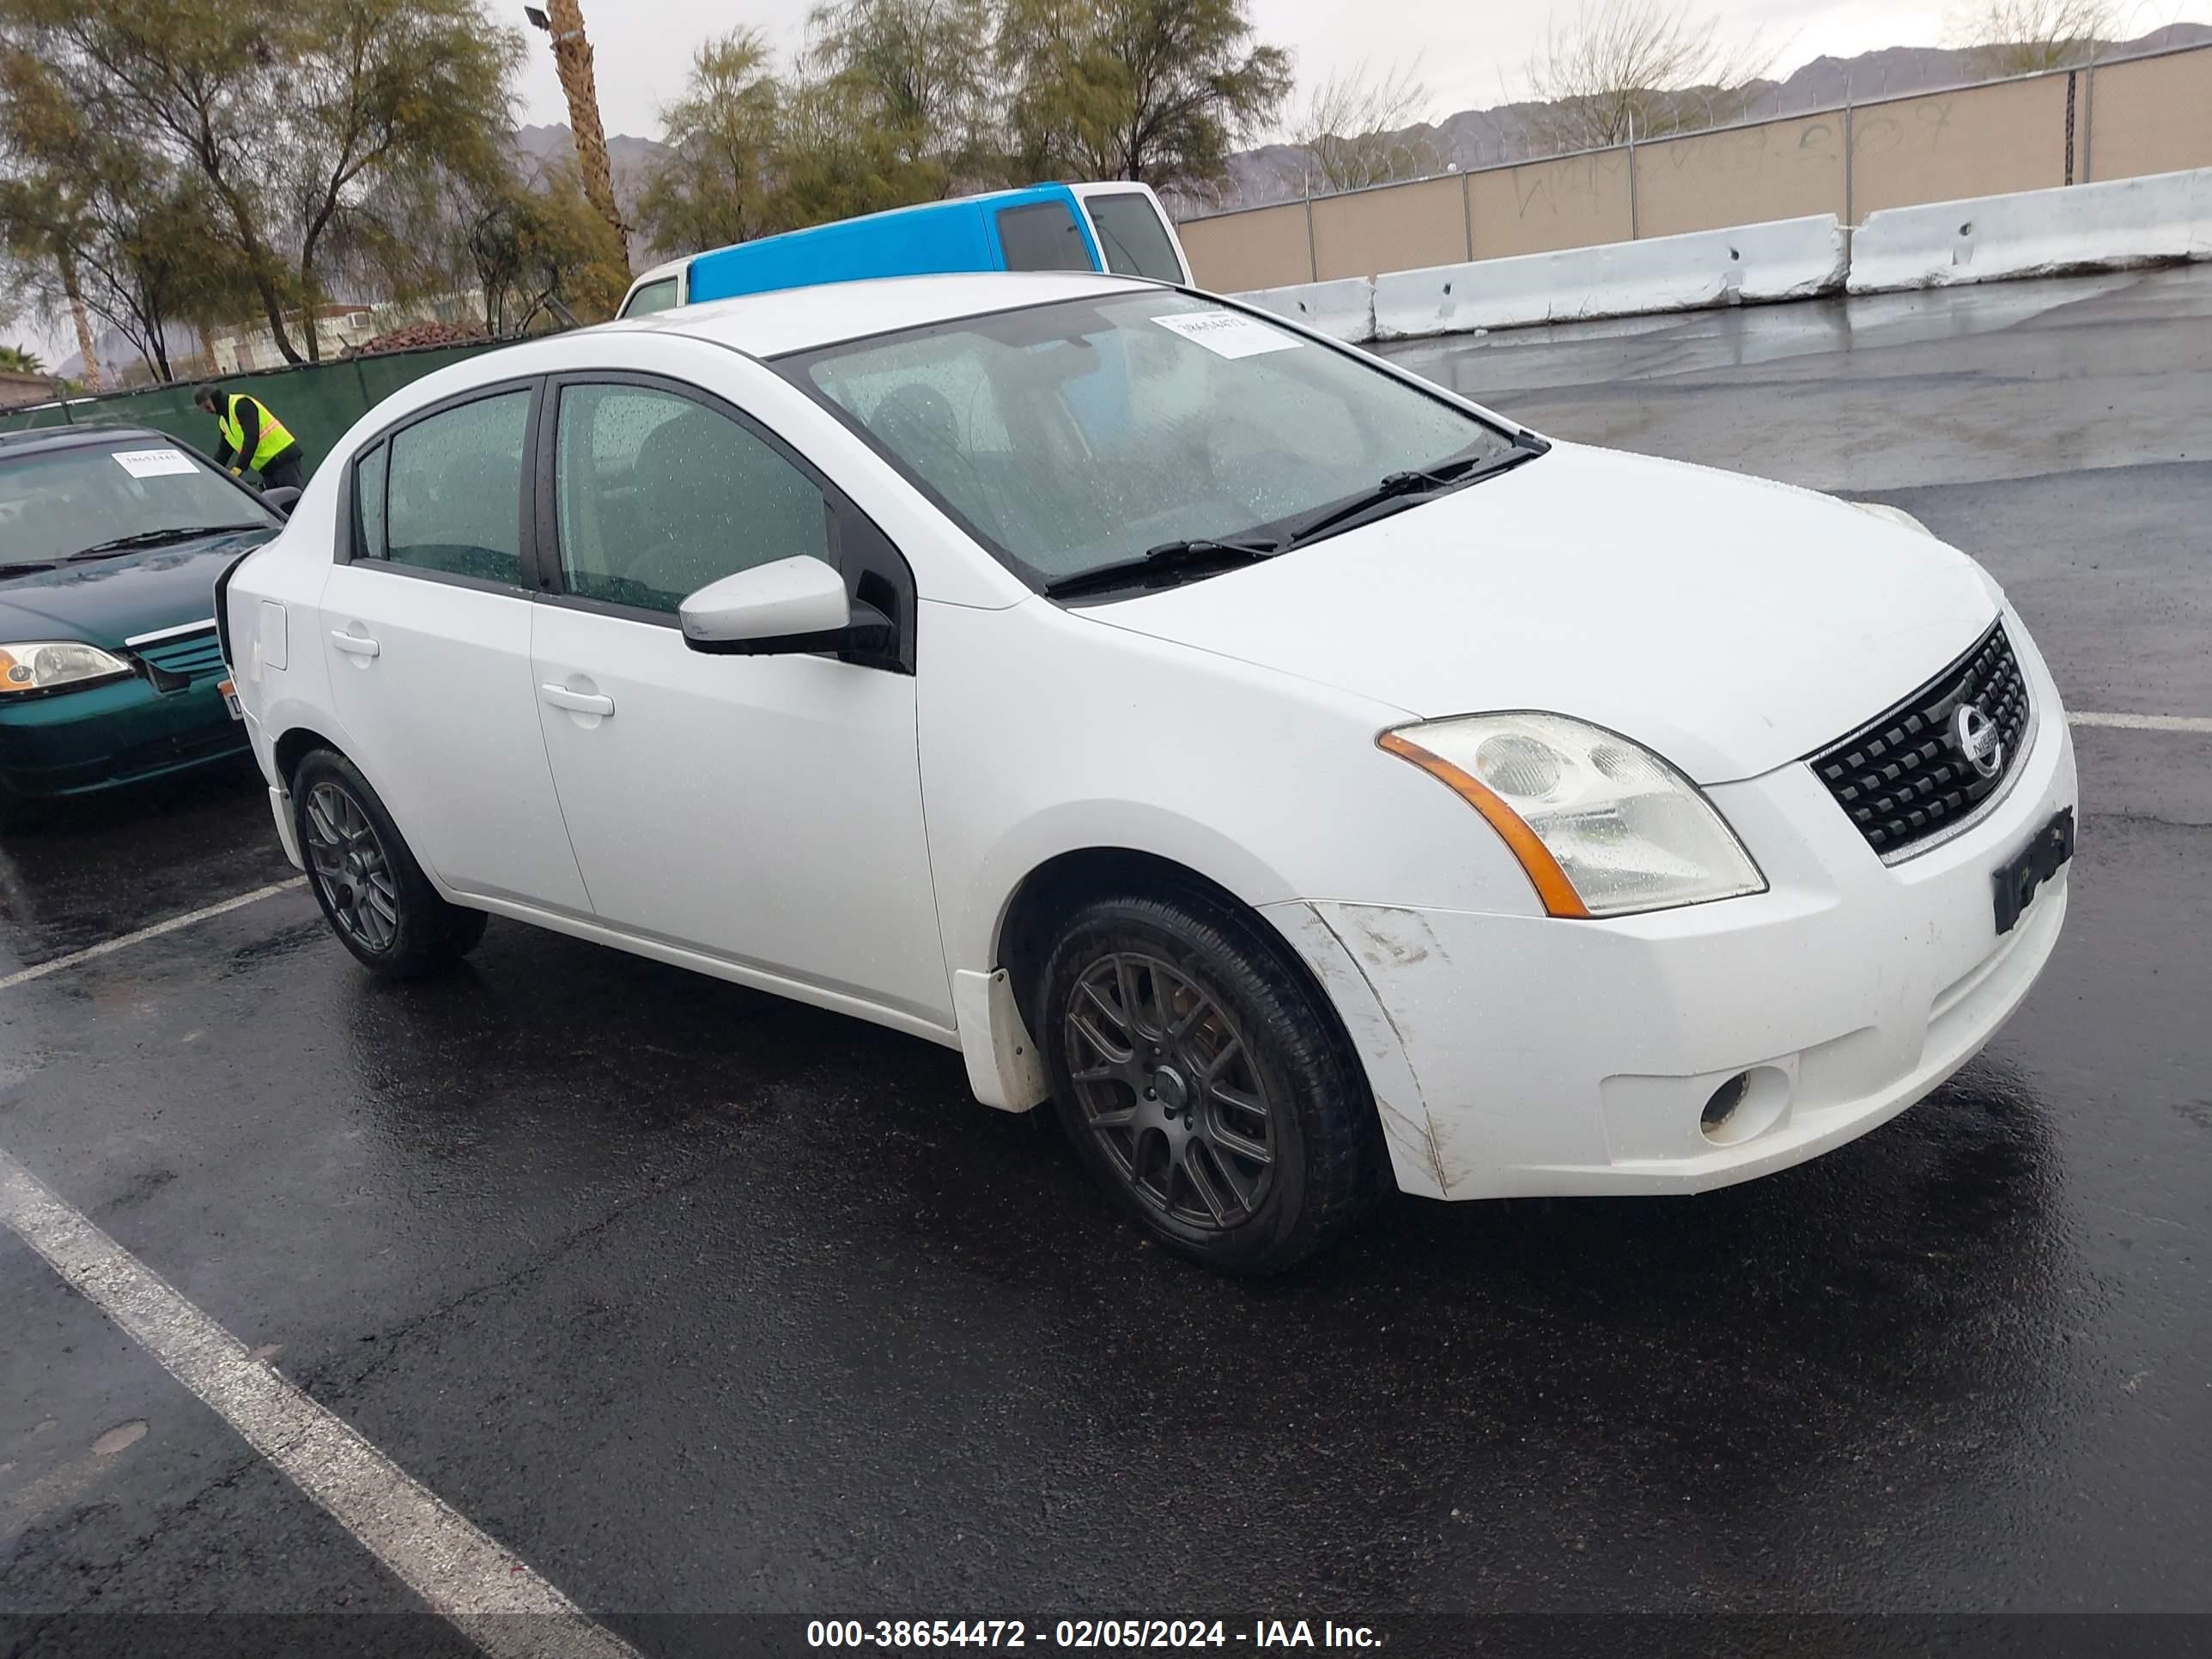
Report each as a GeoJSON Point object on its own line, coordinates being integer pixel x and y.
{"type": "Point", "coordinates": [1228, 333]}
{"type": "Point", "coordinates": [154, 463]}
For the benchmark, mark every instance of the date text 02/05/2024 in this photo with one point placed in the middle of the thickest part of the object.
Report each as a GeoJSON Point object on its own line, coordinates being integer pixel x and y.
{"type": "Point", "coordinates": [1087, 1633]}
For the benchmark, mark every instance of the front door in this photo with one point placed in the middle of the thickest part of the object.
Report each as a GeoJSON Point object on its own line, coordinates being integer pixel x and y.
{"type": "Point", "coordinates": [764, 810]}
{"type": "Point", "coordinates": [427, 628]}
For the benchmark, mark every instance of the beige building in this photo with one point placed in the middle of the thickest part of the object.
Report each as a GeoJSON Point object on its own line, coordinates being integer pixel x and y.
{"type": "Point", "coordinates": [21, 391]}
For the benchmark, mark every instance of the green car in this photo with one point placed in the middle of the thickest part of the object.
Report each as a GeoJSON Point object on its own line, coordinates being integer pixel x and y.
{"type": "Point", "coordinates": [111, 538]}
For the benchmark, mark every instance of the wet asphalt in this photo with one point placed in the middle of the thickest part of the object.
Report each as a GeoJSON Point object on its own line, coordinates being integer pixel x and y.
{"type": "Point", "coordinates": [704, 1302]}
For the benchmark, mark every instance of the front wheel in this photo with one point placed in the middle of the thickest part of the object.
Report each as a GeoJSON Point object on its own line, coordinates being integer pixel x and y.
{"type": "Point", "coordinates": [1206, 1083]}
{"type": "Point", "coordinates": [370, 888]}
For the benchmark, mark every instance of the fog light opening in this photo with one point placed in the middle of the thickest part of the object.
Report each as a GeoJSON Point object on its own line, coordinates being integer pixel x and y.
{"type": "Point", "coordinates": [1749, 1103]}
{"type": "Point", "coordinates": [1721, 1109]}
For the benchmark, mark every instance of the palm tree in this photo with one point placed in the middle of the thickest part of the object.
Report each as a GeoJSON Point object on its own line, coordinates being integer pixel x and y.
{"type": "Point", "coordinates": [20, 360]}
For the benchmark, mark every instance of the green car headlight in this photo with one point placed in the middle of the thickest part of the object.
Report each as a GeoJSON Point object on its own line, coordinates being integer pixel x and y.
{"type": "Point", "coordinates": [45, 664]}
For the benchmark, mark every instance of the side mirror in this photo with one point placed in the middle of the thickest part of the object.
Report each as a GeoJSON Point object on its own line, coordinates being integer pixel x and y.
{"type": "Point", "coordinates": [281, 501]}
{"type": "Point", "coordinates": [795, 605]}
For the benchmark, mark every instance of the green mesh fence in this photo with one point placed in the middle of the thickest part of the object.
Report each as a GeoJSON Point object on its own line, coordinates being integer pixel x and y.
{"type": "Point", "coordinates": [317, 401]}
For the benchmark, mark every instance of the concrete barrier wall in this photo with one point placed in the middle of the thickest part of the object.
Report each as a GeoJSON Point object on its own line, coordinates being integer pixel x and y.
{"type": "Point", "coordinates": [1572, 202]}
{"type": "Point", "coordinates": [2149, 115]}
{"type": "Point", "coordinates": [1261, 248]}
{"type": "Point", "coordinates": [1709, 181]}
{"type": "Point", "coordinates": [1392, 228]}
{"type": "Point", "coordinates": [2125, 221]}
{"type": "Point", "coordinates": [1344, 309]}
{"type": "Point", "coordinates": [1789, 259]}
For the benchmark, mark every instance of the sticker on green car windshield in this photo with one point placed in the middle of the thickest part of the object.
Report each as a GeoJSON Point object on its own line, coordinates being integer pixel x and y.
{"type": "Point", "coordinates": [1230, 333]}
{"type": "Point", "coordinates": [154, 463]}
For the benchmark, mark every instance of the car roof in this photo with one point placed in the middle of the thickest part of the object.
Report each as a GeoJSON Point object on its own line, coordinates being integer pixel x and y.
{"type": "Point", "coordinates": [801, 318]}
{"type": "Point", "coordinates": [42, 439]}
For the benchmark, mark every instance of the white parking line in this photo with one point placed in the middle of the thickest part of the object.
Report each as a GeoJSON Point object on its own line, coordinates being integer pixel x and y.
{"type": "Point", "coordinates": [22, 975]}
{"type": "Point", "coordinates": [490, 1595]}
{"type": "Point", "coordinates": [2144, 722]}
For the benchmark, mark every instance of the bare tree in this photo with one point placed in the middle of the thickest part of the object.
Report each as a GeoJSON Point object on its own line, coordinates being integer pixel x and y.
{"type": "Point", "coordinates": [2027, 37]}
{"type": "Point", "coordinates": [1359, 128]}
{"type": "Point", "coordinates": [1620, 68]}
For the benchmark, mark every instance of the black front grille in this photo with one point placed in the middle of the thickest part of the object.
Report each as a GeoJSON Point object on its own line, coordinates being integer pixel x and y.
{"type": "Point", "coordinates": [1903, 776]}
{"type": "Point", "coordinates": [186, 656]}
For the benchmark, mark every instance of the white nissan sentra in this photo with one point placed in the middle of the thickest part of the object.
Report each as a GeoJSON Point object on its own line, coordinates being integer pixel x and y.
{"type": "Point", "coordinates": [1305, 779]}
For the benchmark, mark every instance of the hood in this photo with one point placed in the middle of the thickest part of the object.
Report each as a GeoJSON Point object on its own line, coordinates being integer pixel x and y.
{"type": "Point", "coordinates": [103, 602]}
{"type": "Point", "coordinates": [1730, 624]}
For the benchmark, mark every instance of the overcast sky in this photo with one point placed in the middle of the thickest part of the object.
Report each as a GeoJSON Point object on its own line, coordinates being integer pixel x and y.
{"type": "Point", "coordinates": [1472, 53]}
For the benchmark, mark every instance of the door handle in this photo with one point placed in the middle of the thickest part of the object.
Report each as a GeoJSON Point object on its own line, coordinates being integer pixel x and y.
{"type": "Point", "coordinates": [354, 644]}
{"type": "Point", "coordinates": [581, 702]}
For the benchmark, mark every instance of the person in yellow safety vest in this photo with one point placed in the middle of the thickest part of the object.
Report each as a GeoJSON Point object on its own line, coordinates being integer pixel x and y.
{"type": "Point", "coordinates": [249, 436]}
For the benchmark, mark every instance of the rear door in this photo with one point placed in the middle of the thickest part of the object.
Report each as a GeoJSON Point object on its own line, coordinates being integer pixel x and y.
{"type": "Point", "coordinates": [427, 622]}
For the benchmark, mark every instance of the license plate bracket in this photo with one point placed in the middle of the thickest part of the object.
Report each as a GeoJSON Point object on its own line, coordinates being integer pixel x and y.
{"type": "Point", "coordinates": [2019, 876]}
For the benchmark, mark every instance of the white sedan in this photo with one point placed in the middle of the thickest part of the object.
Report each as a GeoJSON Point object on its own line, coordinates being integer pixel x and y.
{"type": "Point", "coordinates": [1307, 781]}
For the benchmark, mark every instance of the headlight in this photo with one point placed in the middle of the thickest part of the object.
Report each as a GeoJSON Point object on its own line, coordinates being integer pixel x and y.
{"type": "Point", "coordinates": [1603, 827]}
{"type": "Point", "coordinates": [42, 664]}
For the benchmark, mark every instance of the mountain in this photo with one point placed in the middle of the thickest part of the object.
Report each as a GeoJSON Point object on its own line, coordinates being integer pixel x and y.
{"type": "Point", "coordinates": [630, 158]}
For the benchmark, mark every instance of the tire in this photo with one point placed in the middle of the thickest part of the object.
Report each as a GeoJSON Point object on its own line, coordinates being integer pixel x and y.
{"type": "Point", "coordinates": [365, 880]}
{"type": "Point", "coordinates": [1183, 1043]}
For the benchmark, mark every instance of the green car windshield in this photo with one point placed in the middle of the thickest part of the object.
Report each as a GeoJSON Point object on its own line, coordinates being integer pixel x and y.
{"type": "Point", "coordinates": [56, 503]}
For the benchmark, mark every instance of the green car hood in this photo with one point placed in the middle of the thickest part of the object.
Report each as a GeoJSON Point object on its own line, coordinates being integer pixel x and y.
{"type": "Point", "coordinates": [103, 602]}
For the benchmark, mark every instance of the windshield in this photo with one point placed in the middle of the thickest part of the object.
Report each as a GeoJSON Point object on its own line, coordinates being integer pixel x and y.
{"type": "Point", "coordinates": [1071, 436]}
{"type": "Point", "coordinates": [61, 501]}
{"type": "Point", "coordinates": [654, 296]}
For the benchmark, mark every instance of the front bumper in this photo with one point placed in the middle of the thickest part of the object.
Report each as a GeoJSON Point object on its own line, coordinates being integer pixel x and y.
{"type": "Point", "coordinates": [74, 743]}
{"type": "Point", "coordinates": [1515, 1055]}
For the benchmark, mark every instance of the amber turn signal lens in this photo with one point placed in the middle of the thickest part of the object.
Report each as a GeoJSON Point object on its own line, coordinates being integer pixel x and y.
{"type": "Point", "coordinates": [1552, 887]}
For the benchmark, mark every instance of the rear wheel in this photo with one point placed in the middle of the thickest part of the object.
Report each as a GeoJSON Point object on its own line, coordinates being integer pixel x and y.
{"type": "Point", "coordinates": [370, 888]}
{"type": "Point", "coordinates": [1206, 1082]}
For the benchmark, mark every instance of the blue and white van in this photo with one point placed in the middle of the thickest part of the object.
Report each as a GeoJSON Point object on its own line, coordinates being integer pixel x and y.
{"type": "Point", "coordinates": [1114, 226]}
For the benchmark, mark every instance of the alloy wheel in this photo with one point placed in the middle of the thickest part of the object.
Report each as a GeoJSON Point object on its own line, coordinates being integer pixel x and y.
{"type": "Point", "coordinates": [1169, 1086]}
{"type": "Point", "coordinates": [351, 869]}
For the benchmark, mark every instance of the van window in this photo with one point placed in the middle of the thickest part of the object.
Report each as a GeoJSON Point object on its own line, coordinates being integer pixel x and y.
{"type": "Point", "coordinates": [654, 296]}
{"type": "Point", "coordinates": [1132, 238]}
{"type": "Point", "coordinates": [1042, 236]}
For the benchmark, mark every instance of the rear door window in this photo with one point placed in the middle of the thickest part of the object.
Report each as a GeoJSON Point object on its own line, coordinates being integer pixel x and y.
{"type": "Point", "coordinates": [1042, 236]}
{"type": "Point", "coordinates": [1132, 237]}
{"type": "Point", "coordinates": [453, 492]}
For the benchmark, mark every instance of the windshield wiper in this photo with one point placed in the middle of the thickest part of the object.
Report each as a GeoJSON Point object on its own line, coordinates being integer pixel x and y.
{"type": "Point", "coordinates": [1169, 562]}
{"type": "Point", "coordinates": [1397, 490]}
{"type": "Point", "coordinates": [155, 538]}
